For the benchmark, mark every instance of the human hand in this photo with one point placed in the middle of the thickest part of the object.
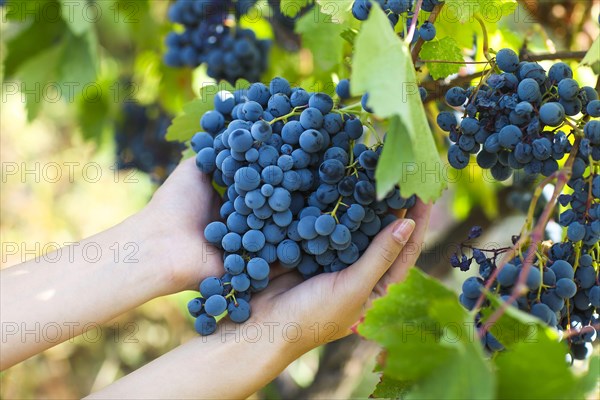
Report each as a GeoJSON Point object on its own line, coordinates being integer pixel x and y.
{"type": "Point", "coordinates": [336, 301]}
{"type": "Point", "coordinates": [177, 215]}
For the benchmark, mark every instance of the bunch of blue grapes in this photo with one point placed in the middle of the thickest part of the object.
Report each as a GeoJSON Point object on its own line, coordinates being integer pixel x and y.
{"type": "Point", "coordinates": [396, 10]}
{"type": "Point", "coordinates": [516, 119]}
{"type": "Point", "coordinates": [299, 190]}
{"type": "Point", "coordinates": [562, 287]}
{"type": "Point", "coordinates": [141, 144]}
{"type": "Point", "coordinates": [230, 53]}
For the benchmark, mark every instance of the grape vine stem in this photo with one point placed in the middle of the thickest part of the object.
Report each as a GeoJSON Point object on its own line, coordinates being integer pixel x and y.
{"type": "Point", "coordinates": [417, 47]}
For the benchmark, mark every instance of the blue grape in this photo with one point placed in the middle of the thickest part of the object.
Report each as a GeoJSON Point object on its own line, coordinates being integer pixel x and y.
{"type": "Point", "coordinates": [507, 60]}
{"type": "Point", "coordinates": [542, 311]}
{"type": "Point", "coordinates": [214, 232]}
{"type": "Point", "coordinates": [288, 252]}
{"type": "Point", "coordinates": [364, 192]}
{"type": "Point", "coordinates": [472, 287]}
{"type": "Point", "coordinates": [457, 157]}
{"type": "Point", "coordinates": [340, 235]}
{"type": "Point", "coordinates": [238, 311]}
{"type": "Point", "coordinates": [231, 242]}
{"type": "Point", "coordinates": [224, 102]}
{"type": "Point", "coordinates": [280, 85]}
{"type": "Point", "coordinates": [552, 114]}
{"type": "Point", "coordinates": [200, 141]}
{"type": "Point", "coordinates": [568, 89]}
{"type": "Point", "coordinates": [325, 225]}
{"type": "Point", "coordinates": [361, 9]}
{"type": "Point", "coordinates": [261, 131]}
{"type": "Point", "coordinates": [212, 121]}
{"type": "Point", "coordinates": [343, 89]}
{"type": "Point", "coordinates": [575, 231]}
{"type": "Point", "coordinates": [258, 268]}
{"type": "Point", "coordinates": [311, 118]}
{"type": "Point", "coordinates": [508, 275]}
{"type": "Point", "coordinates": [195, 307]}
{"type": "Point", "coordinates": [215, 305]}
{"type": "Point", "coordinates": [259, 93]}
{"type": "Point", "coordinates": [280, 200]}
{"type": "Point", "coordinates": [253, 241]}
{"type": "Point", "coordinates": [234, 264]}
{"type": "Point", "coordinates": [446, 120]}
{"type": "Point", "coordinates": [565, 288]}
{"type": "Point", "coordinates": [205, 324]}
{"type": "Point", "coordinates": [456, 96]}
{"type": "Point", "coordinates": [311, 140]}
{"type": "Point", "coordinates": [427, 31]}
{"type": "Point", "coordinates": [322, 102]}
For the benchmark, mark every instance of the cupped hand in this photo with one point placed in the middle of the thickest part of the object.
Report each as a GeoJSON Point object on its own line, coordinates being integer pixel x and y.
{"type": "Point", "coordinates": [335, 302]}
{"type": "Point", "coordinates": [177, 215]}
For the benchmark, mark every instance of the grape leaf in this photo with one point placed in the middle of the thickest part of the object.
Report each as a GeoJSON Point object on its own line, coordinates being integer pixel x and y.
{"type": "Point", "coordinates": [32, 41]}
{"type": "Point", "coordinates": [73, 13]}
{"type": "Point", "coordinates": [592, 57]}
{"type": "Point", "coordinates": [389, 388]}
{"type": "Point", "coordinates": [185, 125]}
{"type": "Point", "coordinates": [291, 8]}
{"type": "Point", "coordinates": [444, 49]}
{"type": "Point", "coordinates": [420, 319]}
{"type": "Point", "coordinates": [34, 73]}
{"type": "Point", "coordinates": [537, 370]}
{"type": "Point", "coordinates": [382, 66]}
{"type": "Point", "coordinates": [323, 38]}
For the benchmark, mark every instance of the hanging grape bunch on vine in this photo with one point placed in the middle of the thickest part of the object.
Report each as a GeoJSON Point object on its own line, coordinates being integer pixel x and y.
{"type": "Point", "coordinates": [213, 37]}
{"type": "Point", "coordinates": [521, 117]}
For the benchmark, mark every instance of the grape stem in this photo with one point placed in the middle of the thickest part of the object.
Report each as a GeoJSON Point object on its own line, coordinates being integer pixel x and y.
{"type": "Point", "coordinates": [486, 49]}
{"type": "Point", "coordinates": [413, 22]}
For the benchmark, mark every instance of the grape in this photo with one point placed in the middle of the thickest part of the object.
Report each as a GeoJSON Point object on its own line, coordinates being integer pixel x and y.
{"type": "Point", "coordinates": [259, 93]}
{"type": "Point", "coordinates": [472, 287]}
{"type": "Point", "coordinates": [306, 227]}
{"type": "Point", "coordinates": [534, 278]}
{"type": "Point", "coordinates": [200, 141]}
{"type": "Point", "coordinates": [205, 324]}
{"type": "Point", "coordinates": [288, 252]}
{"type": "Point", "coordinates": [575, 232]}
{"type": "Point", "coordinates": [322, 102]}
{"type": "Point", "coordinates": [247, 178]}
{"type": "Point", "coordinates": [360, 9]}
{"type": "Point", "coordinates": [552, 114]}
{"type": "Point", "coordinates": [311, 118]}
{"type": "Point", "coordinates": [299, 98]}
{"type": "Point", "coordinates": [280, 200]}
{"type": "Point", "coordinates": [331, 171]}
{"type": "Point", "coordinates": [280, 86]}
{"type": "Point", "coordinates": [568, 89]}
{"type": "Point", "coordinates": [279, 105]}
{"type": "Point", "coordinates": [340, 235]}
{"type": "Point", "coordinates": [364, 101]}
{"type": "Point", "coordinates": [427, 31]}
{"type": "Point", "coordinates": [456, 96]}
{"type": "Point", "coordinates": [212, 121]}
{"type": "Point", "coordinates": [195, 307]}
{"type": "Point", "coordinates": [457, 157]}
{"type": "Point", "coordinates": [239, 311]}
{"type": "Point", "coordinates": [562, 269]}
{"type": "Point", "coordinates": [509, 136]}
{"type": "Point", "coordinates": [234, 264]}
{"type": "Point", "coordinates": [446, 120]}
{"type": "Point", "coordinates": [325, 225]}
{"type": "Point", "coordinates": [215, 305]}
{"type": "Point", "coordinates": [311, 140]}
{"type": "Point", "coordinates": [593, 108]}
{"type": "Point", "coordinates": [253, 241]}
{"type": "Point", "coordinates": [542, 311]}
{"type": "Point", "coordinates": [595, 296]}
{"type": "Point", "coordinates": [507, 60]}
{"type": "Point", "coordinates": [508, 275]}
{"type": "Point", "coordinates": [364, 192]}
{"type": "Point", "coordinates": [559, 71]}
{"type": "Point", "coordinates": [214, 232]}
{"type": "Point", "coordinates": [343, 89]}
{"type": "Point", "coordinates": [258, 268]}
{"type": "Point", "coordinates": [252, 111]}
{"type": "Point", "coordinates": [565, 288]}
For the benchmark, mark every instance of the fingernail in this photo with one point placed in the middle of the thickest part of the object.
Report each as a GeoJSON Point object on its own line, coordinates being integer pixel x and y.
{"type": "Point", "coordinates": [403, 230]}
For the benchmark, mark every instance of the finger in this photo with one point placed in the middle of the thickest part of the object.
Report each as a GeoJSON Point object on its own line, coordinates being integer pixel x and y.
{"type": "Point", "coordinates": [420, 213]}
{"type": "Point", "coordinates": [364, 274]}
{"type": "Point", "coordinates": [283, 283]}
{"type": "Point", "coordinates": [277, 270]}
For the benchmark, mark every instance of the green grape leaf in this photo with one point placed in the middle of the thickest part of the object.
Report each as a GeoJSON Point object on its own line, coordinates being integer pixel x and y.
{"type": "Point", "coordinates": [389, 388]}
{"type": "Point", "coordinates": [323, 38]}
{"type": "Point", "coordinates": [420, 319]}
{"type": "Point", "coordinates": [382, 66]}
{"type": "Point", "coordinates": [31, 42]}
{"type": "Point", "coordinates": [186, 124]}
{"type": "Point", "coordinates": [444, 49]}
{"type": "Point", "coordinates": [77, 67]}
{"type": "Point", "coordinates": [34, 73]}
{"type": "Point", "coordinates": [93, 113]}
{"type": "Point", "coordinates": [291, 8]}
{"type": "Point", "coordinates": [74, 13]}
{"type": "Point", "coordinates": [592, 57]}
{"type": "Point", "coordinates": [537, 370]}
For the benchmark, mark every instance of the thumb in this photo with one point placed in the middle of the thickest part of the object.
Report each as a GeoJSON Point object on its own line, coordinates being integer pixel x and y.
{"type": "Point", "coordinates": [363, 275]}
